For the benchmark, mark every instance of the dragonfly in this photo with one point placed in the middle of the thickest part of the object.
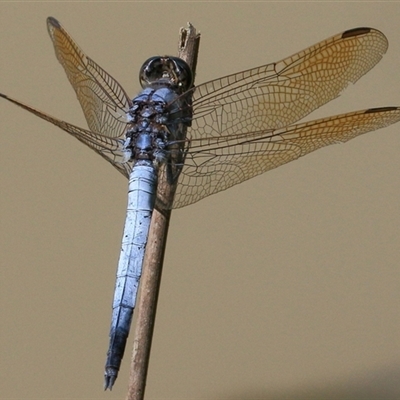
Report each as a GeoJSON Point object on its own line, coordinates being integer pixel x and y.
{"type": "Point", "coordinates": [209, 137]}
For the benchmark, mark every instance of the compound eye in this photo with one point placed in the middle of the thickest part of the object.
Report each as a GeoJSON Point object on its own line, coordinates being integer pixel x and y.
{"type": "Point", "coordinates": [184, 73]}
{"type": "Point", "coordinates": [150, 71]}
{"type": "Point", "coordinates": [171, 70]}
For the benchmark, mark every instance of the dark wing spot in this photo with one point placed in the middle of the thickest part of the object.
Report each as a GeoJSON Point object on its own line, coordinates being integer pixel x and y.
{"type": "Point", "coordinates": [355, 32]}
{"type": "Point", "coordinates": [380, 109]}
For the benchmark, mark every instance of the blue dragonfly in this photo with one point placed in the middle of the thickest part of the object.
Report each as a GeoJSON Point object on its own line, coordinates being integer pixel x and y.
{"type": "Point", "coordinates": [206, 138]}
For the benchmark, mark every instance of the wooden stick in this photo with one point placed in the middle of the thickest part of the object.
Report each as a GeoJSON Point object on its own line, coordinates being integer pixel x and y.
{"type": "Point", "coordinates": [152, 267]}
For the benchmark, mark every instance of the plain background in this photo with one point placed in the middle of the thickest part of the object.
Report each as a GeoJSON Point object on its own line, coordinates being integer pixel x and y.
{"type": "Point", "coordinates": [284, 287]}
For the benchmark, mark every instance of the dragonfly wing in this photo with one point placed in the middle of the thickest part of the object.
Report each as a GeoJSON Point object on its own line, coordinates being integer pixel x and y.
{"type": "Point", "coordinates": [109, 148]}
{"type": "Point", "coordinates": [278, 94]}
{"type": "Point", "coordinates": [215, 164]}
{"type": "Point", "coordinates": [103, 100]}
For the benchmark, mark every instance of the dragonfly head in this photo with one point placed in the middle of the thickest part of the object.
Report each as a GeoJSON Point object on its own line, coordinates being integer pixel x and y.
{"type": "Point", "coordinates": [166, 70]}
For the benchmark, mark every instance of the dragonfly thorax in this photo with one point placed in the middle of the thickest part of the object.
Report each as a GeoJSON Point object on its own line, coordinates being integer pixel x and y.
{"type": "Point", "coordinates": [153, 114]}
{"type": "Point", "coordinates": [152, 105]}
{"type": "Point", "coordinates": [147, 142]}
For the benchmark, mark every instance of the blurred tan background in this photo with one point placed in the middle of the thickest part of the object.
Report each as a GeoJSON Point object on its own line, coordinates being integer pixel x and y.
{"type": "Point", "coordinates": [284, 287]}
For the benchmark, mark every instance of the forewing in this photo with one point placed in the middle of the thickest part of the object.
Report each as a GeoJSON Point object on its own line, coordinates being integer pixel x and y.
{"type": "Point", "coordinates": [215, 164]}
{"type": "Point", "coordinates": [103, 100]}
{"type": "Point", "coordinates": [109, 148]}
{"type": "Point", "coordinates": [276, 95]}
